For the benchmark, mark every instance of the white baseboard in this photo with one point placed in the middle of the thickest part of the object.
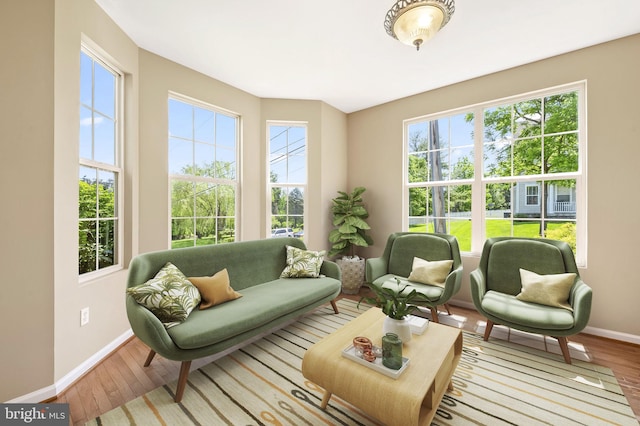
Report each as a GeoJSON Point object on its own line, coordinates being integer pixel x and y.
{"type": "Point", "coordinates": [58, 387]}
{"type": "Point", "coordinates": [600, 332]}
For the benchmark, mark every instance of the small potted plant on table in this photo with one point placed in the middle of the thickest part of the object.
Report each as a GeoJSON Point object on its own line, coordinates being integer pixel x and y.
{"type": "Point", "coordinates": [397, 305]}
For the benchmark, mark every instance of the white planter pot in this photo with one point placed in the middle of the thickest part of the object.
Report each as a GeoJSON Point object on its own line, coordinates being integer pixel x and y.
{"type": "Point", "coordinates": [352, 269]}
{"type": "Point", "coordinates": [399, 327]}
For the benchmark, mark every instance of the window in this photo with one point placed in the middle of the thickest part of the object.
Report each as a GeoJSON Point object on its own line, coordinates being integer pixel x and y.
{"type": "Point", "coordinates": [203, 169]}
{"type": "Point", "coordinates": [527, 182]}
{"type": "Point", "coordinates": [287, 177]}
{"type": "Point", "coordinates": [532, 195]}
{"type": "Point", "coordinates": [100, 165]}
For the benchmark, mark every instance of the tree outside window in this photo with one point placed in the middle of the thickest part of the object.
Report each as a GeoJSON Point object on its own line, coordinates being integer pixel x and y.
{"type": "Point", "coordinates": [287, 177]}
{"type": "Point", "coordinates": [203, 174]}
{"type": "Point", "coordinates": [99, 171]}
{"type": "Point", "coordinates": [530, 177]}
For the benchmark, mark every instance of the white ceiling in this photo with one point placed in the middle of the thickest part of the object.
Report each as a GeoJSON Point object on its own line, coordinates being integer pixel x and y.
{"type": "Point", "coordinates": [337, 51]}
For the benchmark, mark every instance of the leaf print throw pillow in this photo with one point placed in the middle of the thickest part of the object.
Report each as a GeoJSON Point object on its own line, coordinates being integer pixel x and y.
{"type": "Point", "coordinates": [302, 263]}
{"type": "Point", "coordinates": [169, 295]}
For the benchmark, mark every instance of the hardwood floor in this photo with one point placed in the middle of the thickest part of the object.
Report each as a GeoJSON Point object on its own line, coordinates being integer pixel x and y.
{"type": "Point", "coordinates": [121, 377]}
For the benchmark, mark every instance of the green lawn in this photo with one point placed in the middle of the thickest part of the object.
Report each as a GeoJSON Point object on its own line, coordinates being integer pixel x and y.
{"type": "Point", "coordinates": [189, 242]}
{"type": "Point", "coordinates": [494, 228]}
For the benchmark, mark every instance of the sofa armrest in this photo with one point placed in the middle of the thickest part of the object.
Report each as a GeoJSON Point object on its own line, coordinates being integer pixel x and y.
{"type": "Point", "coordinates": [452, 283]}
{"type": "Point", "coordinates": [478, 287]}
{"type": "Point", "coordinates": [331, 269]}
{"type": "Point", "coordinates": [580, 300]}
{"type": "Point", "coordinates": [148, 328]}
{"type": "Point", "coordinates": [375, 268]}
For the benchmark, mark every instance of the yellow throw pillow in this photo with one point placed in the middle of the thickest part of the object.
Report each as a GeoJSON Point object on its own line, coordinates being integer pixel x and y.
{"type": "Point", "coordinates": [551, 290]}
{"type": "Point", "coordinates": [214, 290]}
{"type": "Point", "coordinates": [433, 273]}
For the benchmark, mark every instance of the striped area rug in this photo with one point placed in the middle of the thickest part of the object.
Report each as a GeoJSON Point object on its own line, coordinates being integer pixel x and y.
{"type": "Point", "coordinates": [496, 383]}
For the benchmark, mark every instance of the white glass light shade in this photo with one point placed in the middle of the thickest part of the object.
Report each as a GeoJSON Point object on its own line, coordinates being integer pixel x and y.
{"type": "Point", "coordinates": [418, 24]}
{"type": "Point", "coordinates": [415, 21]}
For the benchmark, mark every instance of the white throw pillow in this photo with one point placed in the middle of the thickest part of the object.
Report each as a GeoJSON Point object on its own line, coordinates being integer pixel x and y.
{"type": "Point", "coordinates": [550, 290]}
{"type": "Point", "coordinates": [432, 273]}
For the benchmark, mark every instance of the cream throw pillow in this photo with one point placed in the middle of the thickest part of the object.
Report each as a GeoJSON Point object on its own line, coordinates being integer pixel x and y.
{"type": "Point", "coordinates": [433, 273]}
{"type": "Point", "coordinates": [551, 290]}
{"type": "Point", "coordinates": [214, 290]}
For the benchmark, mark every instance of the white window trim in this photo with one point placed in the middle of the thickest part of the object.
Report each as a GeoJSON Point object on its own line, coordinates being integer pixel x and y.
{"type": "Point", "coordinates": [270, 184]}
{"type": "Point", "coordinates": [237, 181]}
{"type": "Point", "coordinates": [99, 55]}
{"type": "Point", "coordinates": [478, 196]}
{"type": "Point", "coordinates": [526, 195]}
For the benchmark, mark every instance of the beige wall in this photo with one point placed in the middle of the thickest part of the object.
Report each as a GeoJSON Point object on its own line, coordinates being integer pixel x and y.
{"type": "Point", "coordinates": [75, 19]}
{"type": "Point", "coordinates": [26, 187]}
{"type": "Point", "coordinates": [611, 72]}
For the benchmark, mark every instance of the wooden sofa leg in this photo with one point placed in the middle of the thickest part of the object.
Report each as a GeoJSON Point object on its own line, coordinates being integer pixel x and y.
{"type": "Point", "coordinates": [487, 330]}
{"type": "Point", "coordinates": [434, 314]}
{"type": "Point", "coordinates": [147, 362]}
{"type": "Point", "coordinates": [334, 306]}
{"type": "Point", "coordinates": [182, 380]}
{"type": "Point", "coordinates": [564, 347]}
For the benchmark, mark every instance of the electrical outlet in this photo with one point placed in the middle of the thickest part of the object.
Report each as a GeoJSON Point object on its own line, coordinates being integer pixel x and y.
{"type": "Point", "coordinates": [84, 316]}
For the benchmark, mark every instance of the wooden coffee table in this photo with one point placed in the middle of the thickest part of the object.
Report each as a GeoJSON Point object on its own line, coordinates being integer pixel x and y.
{"type": "Point", "coordinates": [412, 398]}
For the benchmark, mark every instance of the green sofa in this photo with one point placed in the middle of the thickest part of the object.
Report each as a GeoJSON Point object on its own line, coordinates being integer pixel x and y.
{"type": "Point", "coordinates": [268, 302]}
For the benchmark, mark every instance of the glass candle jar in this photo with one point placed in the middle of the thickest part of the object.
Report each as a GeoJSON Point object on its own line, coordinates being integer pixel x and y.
{"type": "Point", "coordinates": [391, 351]}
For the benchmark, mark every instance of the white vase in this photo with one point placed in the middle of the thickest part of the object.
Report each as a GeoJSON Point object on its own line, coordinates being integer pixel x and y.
{"type": "Point", "coordinates": [399, 327]}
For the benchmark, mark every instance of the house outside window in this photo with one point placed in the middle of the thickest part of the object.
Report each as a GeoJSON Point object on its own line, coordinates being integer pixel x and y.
{"type": "Point", "coordinates": [203, 173]}
{"type": "Point", "coordinates": [100, 166]}
{"type": "Point", "coordinates": [528, 181]}
{"type": "Point", "coordinates": [287, 147]}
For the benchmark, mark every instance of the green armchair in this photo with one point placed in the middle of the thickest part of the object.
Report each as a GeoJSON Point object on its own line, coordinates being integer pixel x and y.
{"type": "Point", "coordinates": [496, 283]}
{"type": "Point", "coordinates": [397, 262]}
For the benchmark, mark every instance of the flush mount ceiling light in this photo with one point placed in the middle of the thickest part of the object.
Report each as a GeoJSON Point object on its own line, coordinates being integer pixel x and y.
{"type": "Point", "coordinates": [413, 22]}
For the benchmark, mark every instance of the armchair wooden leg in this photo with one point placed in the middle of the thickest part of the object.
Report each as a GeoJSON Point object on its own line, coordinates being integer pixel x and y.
{"type": "Point", "coordinates": [487, 330]}
{"type": "Point", "coordinates": [334, 306]}
{"type": "Point", "coordinates": [434, 314]}
{"type": "Point", "coordinates": [152, 353]}
{"type": "Point", "coordinates": [564, 347]}
{"type": "Point", "coordinates": [182, 380]}
{"type": "Point", "coordinates": [448, 308]}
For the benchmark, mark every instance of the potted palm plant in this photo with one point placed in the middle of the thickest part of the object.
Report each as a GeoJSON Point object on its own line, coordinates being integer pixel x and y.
{"type": "Point", "coordinates": [397, 305]}
{"type": "Point", "coordinates": [349, 214]}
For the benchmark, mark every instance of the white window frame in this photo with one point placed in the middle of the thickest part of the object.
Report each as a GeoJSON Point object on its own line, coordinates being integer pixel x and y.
{"type": "Point", "coordinates": [105, 61]}
{"type": "Point", "coordinates": [479, 181]}
{"type": "Point", "coordinates": [527, 195]}
{"type": "Point", "coordinates": [202, 179]}
{"type": "Point", "coordinates": [271, 185]}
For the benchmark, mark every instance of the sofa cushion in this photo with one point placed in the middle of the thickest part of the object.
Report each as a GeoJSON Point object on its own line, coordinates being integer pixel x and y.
{"type": "Point", "coordinates": [214, 290]}
{"type": "Point", "coordinates": [302, 263]}
{"type": "Point", "coordinates": [389, 281]}
{"type": "Point", "coordinates": [169, 295]}
{"type": "Point", "coordinates": [259, 305]}
{"type": "Point", "coordinates": [433, 273]}
{"type": "Point", "coordinates": [534, 315]}
{"type": "Point", "coordinates": [550, 290]}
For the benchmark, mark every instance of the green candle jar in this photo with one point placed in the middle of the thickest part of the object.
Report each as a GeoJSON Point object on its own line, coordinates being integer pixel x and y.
{"type": "Point", "coordinates": [391, 351]}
